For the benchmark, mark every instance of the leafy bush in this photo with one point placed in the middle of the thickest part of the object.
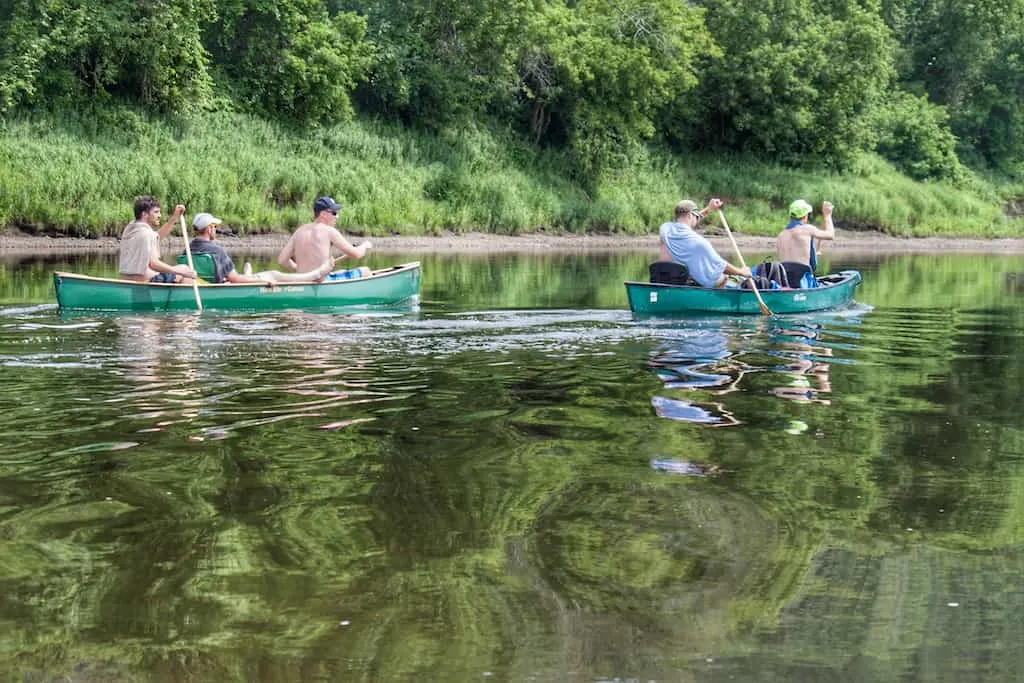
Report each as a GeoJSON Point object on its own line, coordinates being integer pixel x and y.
{"type": "Point", "coordinates": [793, 83]}
{"type": "Point", "coordinates": [148, 52]}
{"type": "Point", "coordinates": [914, 135]}
{"type": "Point", "coordinates": [291, 60]}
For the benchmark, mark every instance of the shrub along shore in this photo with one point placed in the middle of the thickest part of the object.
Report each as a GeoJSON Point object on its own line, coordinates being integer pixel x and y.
{"type": "Point", "coordinates": [75, 174]}
{"type": "Point", "coordinates": [848, 243]}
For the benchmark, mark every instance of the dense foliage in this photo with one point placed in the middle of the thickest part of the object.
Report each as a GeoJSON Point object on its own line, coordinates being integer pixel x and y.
{"type": "Point", "coordinates": [929, 85]}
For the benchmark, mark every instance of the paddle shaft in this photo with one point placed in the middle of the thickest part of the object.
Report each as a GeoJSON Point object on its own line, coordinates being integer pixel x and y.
{"type": "Point", "coordinates": [188, 257]}
{"type": "Point", "coordinates": [743, 264]}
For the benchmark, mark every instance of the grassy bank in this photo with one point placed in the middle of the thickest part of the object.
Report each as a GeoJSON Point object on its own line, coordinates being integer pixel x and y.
{"type": "Point", "coordinates": [76, 174]}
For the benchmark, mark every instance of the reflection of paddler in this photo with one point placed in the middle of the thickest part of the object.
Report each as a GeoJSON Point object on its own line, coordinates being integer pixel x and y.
{"type": "Point", "coordinates": [685, 411]}
{"type": "Point", "coordinates": [799, 386]}
{"type": "Point", "coordinates": [800, 382]}
{"type": "Point", "coordinates": [693, 360]}
{"type": "Point", "coordinates": [155, 362]}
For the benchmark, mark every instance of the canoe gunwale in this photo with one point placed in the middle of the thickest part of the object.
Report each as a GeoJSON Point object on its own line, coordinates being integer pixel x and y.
{"type": "Point", "coordinates": [380, 272]}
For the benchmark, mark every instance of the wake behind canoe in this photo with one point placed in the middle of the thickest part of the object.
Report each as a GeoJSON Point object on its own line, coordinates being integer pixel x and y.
{"type": "Point", "coordinates": [385, 287]}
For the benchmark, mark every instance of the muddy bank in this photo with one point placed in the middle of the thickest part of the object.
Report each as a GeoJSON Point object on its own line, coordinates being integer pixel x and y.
{"type": "Point", "coordinates": [846, 242]}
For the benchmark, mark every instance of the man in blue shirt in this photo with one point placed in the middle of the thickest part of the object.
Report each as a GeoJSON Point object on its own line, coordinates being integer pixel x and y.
{"type": "Point", "coordinates": [680, 243]}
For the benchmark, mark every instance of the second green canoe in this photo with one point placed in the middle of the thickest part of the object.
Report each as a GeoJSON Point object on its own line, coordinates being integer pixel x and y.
{"type": "Point", "coordinates": [646, 298]}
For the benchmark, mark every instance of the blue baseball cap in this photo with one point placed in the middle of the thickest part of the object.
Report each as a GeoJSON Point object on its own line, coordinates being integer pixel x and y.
{"type": "Point", "coordinates": [325, 204]}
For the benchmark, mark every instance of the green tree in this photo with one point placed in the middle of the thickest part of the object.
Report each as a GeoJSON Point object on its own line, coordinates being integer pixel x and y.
{"type": "Point", "coordinates": [291, 59]}
{"type": "Point", "coordinates": [149, 52]}
{"type": "Point", "coordinates": [796, 80]}
{"type": "Point", "coordinates": [599, 74]}
{"type": "Point", "coordinates": [441, 62]}
{"type": "Point", "coordinates": [966, 57]}
{"type": "Point", "coordinates": [914, 134]}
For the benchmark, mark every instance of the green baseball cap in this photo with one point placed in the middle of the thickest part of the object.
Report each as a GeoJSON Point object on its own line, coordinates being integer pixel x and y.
{"type": "Point", "coordinates": [799, 209]}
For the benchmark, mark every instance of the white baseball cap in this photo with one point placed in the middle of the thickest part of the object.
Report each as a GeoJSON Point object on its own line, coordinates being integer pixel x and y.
{"type": "Point", "coordinates": [204, 220]}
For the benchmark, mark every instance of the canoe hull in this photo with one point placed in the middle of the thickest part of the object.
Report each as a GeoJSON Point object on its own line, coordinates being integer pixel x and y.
{"type": "Point", "coordinates": [386, 287]}
{"type": "Point", "coordinates": [646, 298]}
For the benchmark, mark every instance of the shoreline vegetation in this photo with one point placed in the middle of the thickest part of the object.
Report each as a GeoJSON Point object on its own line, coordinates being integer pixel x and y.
{"type": "Point", "coordinates": [567, 118]}
{"type": "Point", "coordinates": [75, 174]}
{"type": "Point", "coordinates": [845, 243]}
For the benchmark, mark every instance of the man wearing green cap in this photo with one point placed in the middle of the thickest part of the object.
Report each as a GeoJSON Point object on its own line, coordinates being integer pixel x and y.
{"type": "Point", "coordinates": [796, 243]}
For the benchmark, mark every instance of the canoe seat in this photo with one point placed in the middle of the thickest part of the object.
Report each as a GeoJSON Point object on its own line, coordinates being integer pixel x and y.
{"type": "Point", "coordinates": [670, 273]}
{"type": "Point", "coordinates": [203, 264]}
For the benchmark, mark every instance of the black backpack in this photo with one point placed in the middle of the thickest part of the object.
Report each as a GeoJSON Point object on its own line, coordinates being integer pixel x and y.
{"type": "Point", "coordinates": [670, 273]}
{"type": "Point", "coordinates": [766, 273]}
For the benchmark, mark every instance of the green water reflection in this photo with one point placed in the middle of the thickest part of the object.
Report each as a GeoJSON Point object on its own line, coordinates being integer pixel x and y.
{"type": "Point", "coordinates": [469, 492]}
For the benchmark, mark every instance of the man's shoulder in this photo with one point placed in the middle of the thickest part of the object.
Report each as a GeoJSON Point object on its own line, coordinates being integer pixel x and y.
{"type": "Point", "coordinates": [207, 247]}
{"type": "Point", "coordinates": [136, 228]}
{"type": "Point", "coordinates": [312, 230]}
{"type": "Point", "coordinates": [675, 228]}
{"type": "Point", "coordinates": [797, 230]}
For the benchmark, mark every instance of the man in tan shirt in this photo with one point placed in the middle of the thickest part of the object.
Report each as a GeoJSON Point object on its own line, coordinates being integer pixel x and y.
{"type": "Point", "coordinates": [139, 254]}
{"type": "Point", "coordinates": [310, 245]}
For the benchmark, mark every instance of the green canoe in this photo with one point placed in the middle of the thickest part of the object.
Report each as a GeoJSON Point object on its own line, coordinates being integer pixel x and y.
{"type": "Point", "coordinates": [646, 298]}
{"type": "Point", "coordinates": [386, 287]}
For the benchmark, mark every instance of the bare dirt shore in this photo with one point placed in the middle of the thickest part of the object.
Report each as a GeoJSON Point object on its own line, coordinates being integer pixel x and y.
{"type": "Point", "coordinates": [846, 241]}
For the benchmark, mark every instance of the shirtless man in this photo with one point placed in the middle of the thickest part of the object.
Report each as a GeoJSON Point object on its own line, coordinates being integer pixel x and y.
{"type": "Point", "coordinates": [796, 243]}
{"type": "Point", "coordinates": [310, 245]}
{"type": "Point", "coordinates": [205, 225]}
{"type": "Point", "coordinates": [139, 254]}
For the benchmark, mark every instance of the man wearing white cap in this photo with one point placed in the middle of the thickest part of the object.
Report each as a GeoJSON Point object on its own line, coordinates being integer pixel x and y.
{"type": "Point", "coordinates": [205, 226]}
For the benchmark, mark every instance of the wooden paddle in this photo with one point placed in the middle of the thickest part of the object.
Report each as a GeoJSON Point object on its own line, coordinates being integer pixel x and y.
{"type": "Point", "coordinates": [739, 255]}
{"type": "Point", "coordinates": [188, 257]}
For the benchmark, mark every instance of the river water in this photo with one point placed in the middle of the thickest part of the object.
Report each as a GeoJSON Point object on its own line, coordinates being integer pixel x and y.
{"type": "Point", "coordinates": [517, 481]}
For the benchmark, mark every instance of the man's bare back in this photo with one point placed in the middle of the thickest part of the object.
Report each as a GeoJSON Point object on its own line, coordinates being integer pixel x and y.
{"type": "Point", "coordinates": [794, 244]}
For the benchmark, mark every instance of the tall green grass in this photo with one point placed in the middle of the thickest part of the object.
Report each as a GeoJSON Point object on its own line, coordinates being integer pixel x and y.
{"type": "Point", "coordinates": [77, 173]}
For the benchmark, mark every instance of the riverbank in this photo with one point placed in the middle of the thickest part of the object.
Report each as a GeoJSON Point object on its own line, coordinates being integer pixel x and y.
{"type": "Point", "coordinates": [76, 173]}
{"type": "Point", "coordinates": [846, 242]}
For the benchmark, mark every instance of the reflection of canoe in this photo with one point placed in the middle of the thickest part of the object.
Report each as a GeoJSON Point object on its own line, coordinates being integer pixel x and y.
{"type": "Point", "coordinates": [388, 286]}
{"type": "Point", "coordinates": [646, 298]}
